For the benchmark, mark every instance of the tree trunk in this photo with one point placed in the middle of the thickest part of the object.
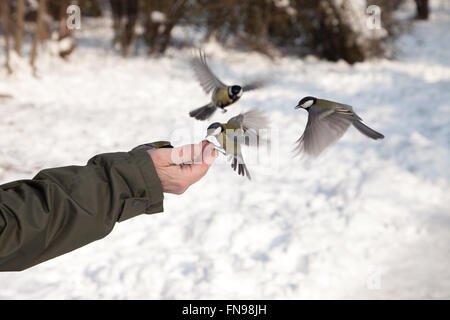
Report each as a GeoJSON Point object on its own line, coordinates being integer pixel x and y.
{"type": "Point", "coordinates": [117, 11]}
{"type": "Point", "coordinates": [5, 14]}
{"type": "Point", "coordinates": [128, 32]}
{"type": "Point", "coordinates": [38, 34]}
{"type": "Point", "coordinates": [19, 26]}
{"type": "Point", "coordinates": [175, 13]}
{"type": "Point", "coordinates": [64, 34]}
{"type": "Point", "coordinates": [63, 30]}
{"type": "Point", "coordinates": [422, 9]}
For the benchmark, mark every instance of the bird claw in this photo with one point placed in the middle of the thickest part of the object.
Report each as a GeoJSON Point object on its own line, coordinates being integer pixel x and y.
{"type": "Point", "coordinates": [221, 150]}
{"type": "Point", "coordinates": [216, 144]}
{"type": "Point", "coordinates": [187, 163]}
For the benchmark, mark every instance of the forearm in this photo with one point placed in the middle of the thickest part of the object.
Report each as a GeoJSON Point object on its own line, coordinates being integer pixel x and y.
{"type": "Point", "coordinates": [63, 209]}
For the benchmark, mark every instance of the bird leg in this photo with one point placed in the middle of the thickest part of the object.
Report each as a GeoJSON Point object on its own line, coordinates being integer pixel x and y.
{"type": "Point", "coordinates": [216, 144]}
{"type": "Point", "coordinates": [187, 163]}
{"type": "Point", "coordinates": [221, 150]}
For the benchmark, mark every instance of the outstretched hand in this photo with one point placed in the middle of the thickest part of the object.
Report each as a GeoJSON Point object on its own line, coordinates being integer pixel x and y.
{"type": "Point", "coordinates": [170, 164]}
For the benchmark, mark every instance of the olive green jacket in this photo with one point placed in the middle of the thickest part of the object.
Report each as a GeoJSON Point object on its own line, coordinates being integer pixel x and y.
{"type": "Point", "coordinates": [63, 209]}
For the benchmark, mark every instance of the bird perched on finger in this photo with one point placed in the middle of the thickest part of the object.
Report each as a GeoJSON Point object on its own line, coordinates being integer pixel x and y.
{"type": "Point", "coordinates": [222, 95]}
{"type": "Point", "coordinates": [327, 123]}
{"type": "Point", "coordinates": [243, 129]}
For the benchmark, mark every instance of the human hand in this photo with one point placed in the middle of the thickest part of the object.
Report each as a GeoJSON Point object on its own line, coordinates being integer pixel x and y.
{"type": "Point", "coordinates": [175, 178]}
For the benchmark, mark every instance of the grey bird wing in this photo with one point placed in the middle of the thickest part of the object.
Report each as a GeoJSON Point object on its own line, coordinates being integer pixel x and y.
{"type": "Point", "coordinates": [254, 85]}
{"type": "Point", "coordinates": [251, 123]}
{"type": "Point", "coordinates": [324, 127]}
{"type": "Point", "coordinates": [204, 75]}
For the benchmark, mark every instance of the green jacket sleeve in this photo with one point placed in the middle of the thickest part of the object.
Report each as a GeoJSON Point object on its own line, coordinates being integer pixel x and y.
{"type": "Point", "coordinates": [63, 209]}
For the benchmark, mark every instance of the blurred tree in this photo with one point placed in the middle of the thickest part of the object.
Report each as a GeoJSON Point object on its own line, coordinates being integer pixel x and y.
{"type": "Point", "coordinates": [160, 17]}
{"type": "Point", "coordinates": [20, 14]}
{"type": "Point", "coordinates": [422, 9]}
{"type": "Point", "coordinates": [90, 8]}
{"type": "Point", "coordinates": [332, 32]}
{"type": "Point", "coordinates": [331, 29]}
{"type": "Point", "coordinates": [65, 37]}
{"type": "Point", "coordinates": [56, 11]}
{"type": "Point", "coordinates": [5, 8]}
{"type": "Point", "coordinates": [124, 16]}
{"type": "Point", "coordinates": [39, 33]}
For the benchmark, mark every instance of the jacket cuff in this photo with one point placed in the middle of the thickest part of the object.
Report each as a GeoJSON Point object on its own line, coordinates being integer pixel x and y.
{"type": "Point", "coordinates": [153, 201]}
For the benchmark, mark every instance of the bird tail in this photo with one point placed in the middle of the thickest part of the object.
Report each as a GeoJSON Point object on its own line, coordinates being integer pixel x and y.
{"type": "Point", "coordinates": [242, 168]}
{"type": "Point", "coordinates": [204, 112]}
{"type": "Point", "coordinates": [367, 131]}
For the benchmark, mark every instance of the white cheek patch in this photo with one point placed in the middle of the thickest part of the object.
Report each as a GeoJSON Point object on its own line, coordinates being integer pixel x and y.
{"type": "Point", "coordinates": [240, 93]}
{"type": "Point", "coordinates": [307, 104]}
{"type": "Point", "coordinates": [217, 131]}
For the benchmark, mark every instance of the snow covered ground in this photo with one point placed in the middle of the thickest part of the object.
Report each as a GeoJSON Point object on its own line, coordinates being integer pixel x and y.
{"type": "Point", "coordinates": [366, 220]}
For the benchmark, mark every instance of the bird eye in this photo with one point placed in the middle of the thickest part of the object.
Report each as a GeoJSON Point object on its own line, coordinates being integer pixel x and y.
{"type": "Point", "coordinates": [235, 89]}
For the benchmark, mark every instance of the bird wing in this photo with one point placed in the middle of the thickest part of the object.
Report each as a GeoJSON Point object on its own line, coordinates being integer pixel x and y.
{"type": "Point", "coordinates": [324, 127]}
{"type": "Point", "coordinates": [251, 123]}
{"type": "Point", "coordinates": [205, 76]}
{"type": "Point", "coordinates": [254, 85]}
{"type": "Point", "coordinates": [233, 148]}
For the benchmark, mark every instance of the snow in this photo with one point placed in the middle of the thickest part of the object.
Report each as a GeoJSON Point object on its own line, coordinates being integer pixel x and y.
{"type": "Point", "coordinates": [366, 220]}
{"type": "Point", "coordinates": [158, 17]}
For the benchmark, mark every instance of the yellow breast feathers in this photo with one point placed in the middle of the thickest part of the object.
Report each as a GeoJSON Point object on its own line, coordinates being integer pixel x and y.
{"type": "Point", "coordinates": [221, 98]}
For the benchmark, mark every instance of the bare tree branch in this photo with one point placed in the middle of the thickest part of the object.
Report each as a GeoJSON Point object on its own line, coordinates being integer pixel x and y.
{"type": "Point", "coordinates": [5, 13]}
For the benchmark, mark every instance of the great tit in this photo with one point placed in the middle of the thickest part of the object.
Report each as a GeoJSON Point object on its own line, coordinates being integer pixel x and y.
{"type": "Point", "coordinates": [241, 129]}
{"type": "Point", "coordinates": [327, 122]}
{"type": "Point", "coordinates": [222, 94]}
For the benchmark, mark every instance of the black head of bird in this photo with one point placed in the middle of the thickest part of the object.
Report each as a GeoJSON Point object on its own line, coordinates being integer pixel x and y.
{"type": "Point", "coordinates": [235, 92]}
{"type": "Point", "coordinates": [306, 103]}
{"type": "Point", "coordinates": [222, 95]}
{"type": "Point", "coordinates": [215, 129]}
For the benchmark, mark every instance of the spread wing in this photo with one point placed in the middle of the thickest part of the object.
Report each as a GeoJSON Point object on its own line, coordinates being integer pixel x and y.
{"type": "Point", "coordinates": [204, 75]}
{"type": "Point", "coordinates": [324, 128]}
{"type": "Point", "coordinates": [254, 85]}
{"type": "Point", "coordinates": [251, 123]}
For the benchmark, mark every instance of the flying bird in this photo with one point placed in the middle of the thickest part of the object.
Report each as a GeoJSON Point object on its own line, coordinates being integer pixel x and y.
{"type": "Point", "coordinates": [243, 129]}
{"type": "Point", "coordinates": [327, 123]}
{"type": "Point", "coordinates": [222, 95]}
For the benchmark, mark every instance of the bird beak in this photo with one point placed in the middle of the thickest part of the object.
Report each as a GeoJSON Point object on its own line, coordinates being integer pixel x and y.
{"type": "Point", "coordinates": [298, 106]}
